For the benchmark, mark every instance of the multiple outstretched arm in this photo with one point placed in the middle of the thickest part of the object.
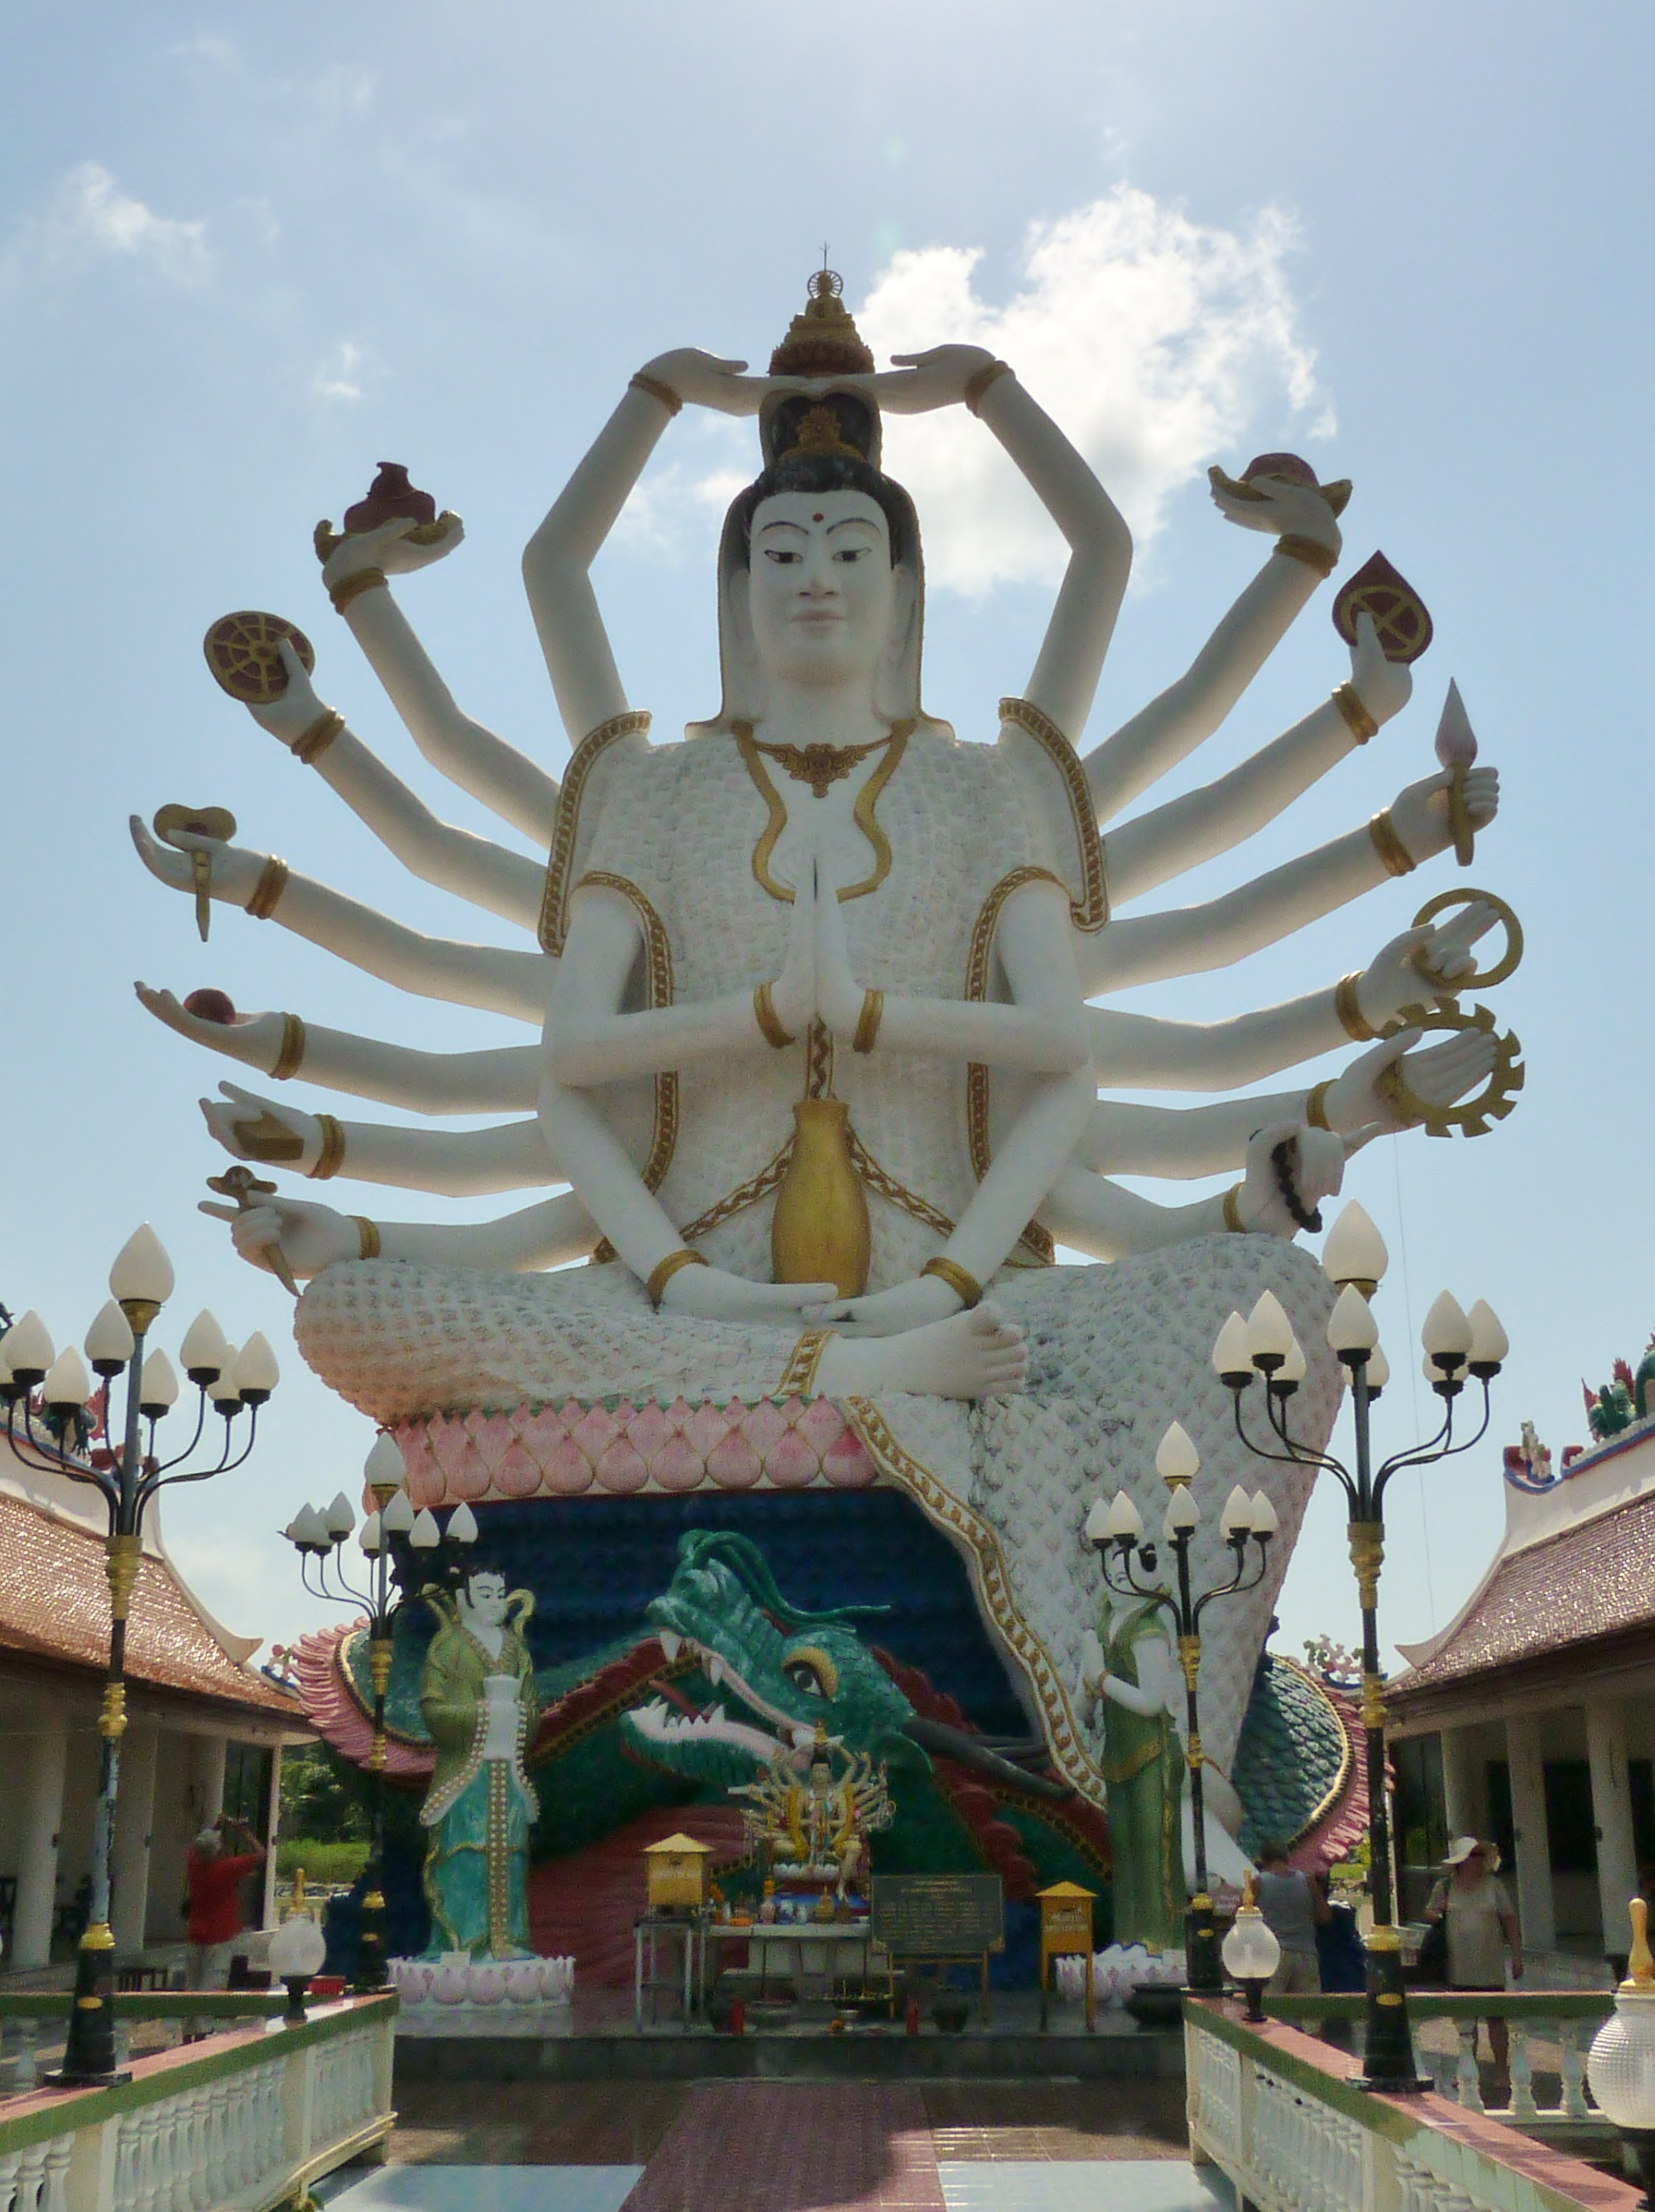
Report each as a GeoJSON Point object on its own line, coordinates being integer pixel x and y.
{"type": "Point", "coordinates": [470, 756]}
{"type": "Point", "coordinates": [492, 1082]}
{"type": "Point", "coordinates": [449, 1163]}
{"type": "Point", "coordinates": [494, 981]}
{"type": "Point", "coordinates": [312, 1238]}
{"type": "Point", "coordinates": [1189, 940]}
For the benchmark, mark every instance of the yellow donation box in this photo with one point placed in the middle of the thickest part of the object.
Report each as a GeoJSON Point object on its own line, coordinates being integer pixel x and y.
{"type": "Point", "coordinates": [675, 1871]}
{"type": "Point", "coordinates": [1066, 1932]}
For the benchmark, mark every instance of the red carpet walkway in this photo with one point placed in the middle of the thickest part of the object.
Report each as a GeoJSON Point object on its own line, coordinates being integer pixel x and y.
{"type": "Point", "coordinates": [795, 2147]}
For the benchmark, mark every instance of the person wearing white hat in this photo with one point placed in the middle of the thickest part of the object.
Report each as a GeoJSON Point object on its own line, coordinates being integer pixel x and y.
{"type": "Point", "coordinates": [1482, 1925]}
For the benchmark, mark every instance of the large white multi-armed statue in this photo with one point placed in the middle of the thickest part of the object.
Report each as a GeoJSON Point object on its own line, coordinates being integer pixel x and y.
{"type": "Point", "coordinates": [827, 1026]}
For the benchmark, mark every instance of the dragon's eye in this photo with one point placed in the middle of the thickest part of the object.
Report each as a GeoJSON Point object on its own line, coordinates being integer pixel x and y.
{"type": "Point", "coordinates": [811, 1671]}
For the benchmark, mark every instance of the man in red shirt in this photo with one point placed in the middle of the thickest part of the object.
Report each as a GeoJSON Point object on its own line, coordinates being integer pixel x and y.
{"type": "Point", "coordinates": [215, 1887]}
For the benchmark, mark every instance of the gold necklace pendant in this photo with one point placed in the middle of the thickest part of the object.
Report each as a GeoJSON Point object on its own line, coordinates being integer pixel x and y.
{"type": "Point", "coordinates": [820, 765]}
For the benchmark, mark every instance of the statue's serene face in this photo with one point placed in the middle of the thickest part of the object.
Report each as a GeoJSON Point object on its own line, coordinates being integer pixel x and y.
{"type": "Point", "coordinates": [485, 1601]}
{"type": "Point", "coordinates": [822, 597]}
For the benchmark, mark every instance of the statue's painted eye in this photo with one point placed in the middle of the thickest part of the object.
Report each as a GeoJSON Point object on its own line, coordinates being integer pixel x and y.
{"type": "Point", "coordinates": [811, 1671]}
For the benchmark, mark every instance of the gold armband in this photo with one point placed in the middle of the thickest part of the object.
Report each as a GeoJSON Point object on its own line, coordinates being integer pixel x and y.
{"type": "Point", "coordinates": [950, 1271]}
{"type": "Point", "coordinates": [1310, 551]}
{"type": "Point", "coordinates": [1316, 1105]}
{"type": "Point", "coordinates": [352, 587]}
{"type": "Point", "coordinates": [1354, 1022]}
{"type": "Point", "coordinates": [1233, 1220]}
{"type": "Point", "coordinates": [867, 1022]}
{"type": "Point", "coordinates": [310, 744]}
{"type": "Point", "coordinates": [266, 892]}
{"type": "Point", "coordinates": [1390, 846]}
{"type": "Point", "coordinates": [978, 385]}
{"type": "Point", "coordinates": [770, 1023]}
{"type": "Point", "coordinates": [1361, 723]}
{"type": "Point", "coordinates": [331, 1156]}
{"type": "Point", "coordinates": [662, 1274]}
{"type": "Point", "coordinates": [653, 384]}
{"type": "Point", "coordinates": [291, 1057]}
{"type": "Point", "coordinates": [368, 1237]}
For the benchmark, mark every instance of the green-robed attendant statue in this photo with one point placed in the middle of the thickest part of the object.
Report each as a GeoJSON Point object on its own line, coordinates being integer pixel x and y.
{"type": "Point", "coordinates": [476, 1698]}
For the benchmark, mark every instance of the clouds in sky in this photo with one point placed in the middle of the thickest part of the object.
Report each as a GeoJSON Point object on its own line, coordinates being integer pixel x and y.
{"type": "Point", "coordinates": [91, 215]}
{"type": "Point", "coordinates": [1154, 341]}
{"type": "Point", "coordinates": [1158, 344]}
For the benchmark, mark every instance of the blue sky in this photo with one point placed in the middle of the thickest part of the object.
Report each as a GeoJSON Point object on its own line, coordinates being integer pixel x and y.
{"type": "Point", "coordinates": [245, 255]}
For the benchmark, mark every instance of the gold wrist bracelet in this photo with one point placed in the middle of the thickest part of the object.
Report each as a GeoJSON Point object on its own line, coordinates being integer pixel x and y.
{"type": "Point", "coordinates": [1316, 1105]}
{"type": "Point", "coordinates": [1361, 723]}
{"type": "Point", "coordinates": [267, 892]}
{"type": "Point", "coordinates": [867, 1022]}
{"type": "Point", "coordinates": [368, 1237]}
{"type": "Point", "coordinates": [1390, 846]}
{"type": "Point", "coordinates": [950, 1271]}
{"type": "Point", "coordinates": [653, 384]}
{"type": "Point", "coordinates": [1310, 551]}
{"type": "Point", "coordinates": [352, 587]}
{"type": "Point", "coordinates": [1354, 1022]}
{"type": "Point", "coordinates": [1233, 1220]}
{"type": "Point", "coordinates": [330, 1159]}
{"type": "Point", "coordinates": [290, 1058]}
{"type": "Point", "coordinates": [769, 1021]}
{"type": "Point", "coordinates": [310, 744]}
{"type": "Point", "coordinates": [978, 385]}
{"type": "Point", "coordinates": [662, 1274]}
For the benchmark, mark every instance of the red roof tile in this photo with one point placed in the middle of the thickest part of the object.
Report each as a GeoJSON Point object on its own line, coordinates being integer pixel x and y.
{"type": "Point", "coordinates": [54, 1603]}
{"type": "Point", "coordinates": [1593, 1581]}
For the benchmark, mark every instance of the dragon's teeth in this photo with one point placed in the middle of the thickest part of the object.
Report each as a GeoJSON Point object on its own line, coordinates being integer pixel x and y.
{"type": "Point", "coordinates": [670, 1645]}
{"type": "Point", "coordinates": [714, 1668]}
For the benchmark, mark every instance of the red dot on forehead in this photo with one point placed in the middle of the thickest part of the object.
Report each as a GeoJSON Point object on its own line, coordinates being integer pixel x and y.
{"type": "Point", "coordinates": [816, 518]}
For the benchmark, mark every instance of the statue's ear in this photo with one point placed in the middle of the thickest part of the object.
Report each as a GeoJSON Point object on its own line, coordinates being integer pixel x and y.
{"type": "Point", "coordinates": [904, 598]}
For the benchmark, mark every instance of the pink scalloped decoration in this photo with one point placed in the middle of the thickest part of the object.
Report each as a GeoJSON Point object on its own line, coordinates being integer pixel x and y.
{"type": "Point", "coordinates": [518, 1475]}
{"type": "Point", "coordinates": [679, 1465]}
{"type": "Point", "coordinates": [568, 1470]}
{"type": "Point", "coordinates": [648, 1431]}
{"type": "Point", "coordinates": [705, 1429]}
{"type": "Point", "coordinates": [542, 1431]}
{"type": "Point", "coordinates": [595, 1432]}
{"type": "Point", "coordinates": [821, 1424]}
{"type": "Point", "coordinates": [792, 1465]}
{"type": "Point", "coordinates": [620, 1468]}
{"type": "Point", "coordinates": [765, 1425]}
{"type": "Point", "coordinates": [846, 1463]}
{"type": "Point", "coordinates": [734, 1464]}
{"type": "Point", "coordinates": [495, 1435]}
{"type": "Point", "coordinates": [451, 1445]}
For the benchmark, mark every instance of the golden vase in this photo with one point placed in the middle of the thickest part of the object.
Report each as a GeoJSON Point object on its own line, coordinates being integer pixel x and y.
{"type": "Point", "coordinates": [819, 1233]}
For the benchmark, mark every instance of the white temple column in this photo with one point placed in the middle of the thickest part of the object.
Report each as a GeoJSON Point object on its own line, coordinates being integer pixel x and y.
{"type": "Point", "coordinates": [272, 1824]}
{"type": "Point", "coordinates": [1534, 1856]}
{"type": "Point", "coordinates": [134, 1812]}
{"type": "Point", "coordinates": [207, 1779]}
{"type": "Point", "coordinates": [41, 1784]}
{"type": "Point", "coordinates": [1459, 1790]}
{"type": "Point", "coordinates": [1612, 1813]}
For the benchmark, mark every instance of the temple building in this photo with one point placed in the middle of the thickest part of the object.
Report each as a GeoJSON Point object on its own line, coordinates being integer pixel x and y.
{"type": "Point", "coordinates": [205, 1727]}
{"type": "Point", "coordinates": [1530, 1719]}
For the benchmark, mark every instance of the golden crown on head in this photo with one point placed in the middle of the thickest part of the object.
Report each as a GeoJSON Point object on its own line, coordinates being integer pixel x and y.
{"type": "Point", "coordinates": [823, 341]}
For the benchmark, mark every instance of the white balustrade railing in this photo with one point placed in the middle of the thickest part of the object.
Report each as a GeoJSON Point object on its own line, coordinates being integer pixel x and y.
{"type": "Point", "coordinates": [1276, 2111]}
{"type": "Point", "coordinates": [243, 2126]}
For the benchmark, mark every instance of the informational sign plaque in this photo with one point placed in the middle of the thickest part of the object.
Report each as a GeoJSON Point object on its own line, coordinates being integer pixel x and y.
{"type": "Point", "coordinates": [938, 1915]}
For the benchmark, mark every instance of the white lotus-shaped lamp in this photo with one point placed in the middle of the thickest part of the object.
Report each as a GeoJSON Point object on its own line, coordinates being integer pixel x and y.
{"type": "Point", "coordinates": [1621, 2067]}
{"type": "Point", "coordinates": [1251, 1953]}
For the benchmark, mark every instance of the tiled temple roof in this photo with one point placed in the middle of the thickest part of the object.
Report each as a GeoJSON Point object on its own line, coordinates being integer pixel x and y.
{"type": "Point", "coordinates": [54, 1604]}
{"type": "Point", "coordinates": [1592, 1581]}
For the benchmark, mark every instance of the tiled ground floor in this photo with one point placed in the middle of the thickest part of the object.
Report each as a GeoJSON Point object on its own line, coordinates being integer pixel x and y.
{"type": "Point", "coordinates": [1115, 2145]}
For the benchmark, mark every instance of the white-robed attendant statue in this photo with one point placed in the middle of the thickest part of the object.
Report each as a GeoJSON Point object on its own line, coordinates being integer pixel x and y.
{"type": "Point", "coordinates": [816, 1059]}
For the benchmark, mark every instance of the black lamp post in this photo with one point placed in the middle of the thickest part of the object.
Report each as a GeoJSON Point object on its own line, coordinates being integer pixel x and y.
{"type": "Point", "coordinates": [407, 1552]}
{"type": "Point", "coordinates": [1119, 1530]}
{"type": "Point", "coordinates": [1456, 1345]}
{"type": "Point", "coordinates": [127, 1474]}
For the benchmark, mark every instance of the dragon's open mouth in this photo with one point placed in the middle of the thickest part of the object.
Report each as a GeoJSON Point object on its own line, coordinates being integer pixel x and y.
{"type": "Point", "coordinates": [672, 1720]}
